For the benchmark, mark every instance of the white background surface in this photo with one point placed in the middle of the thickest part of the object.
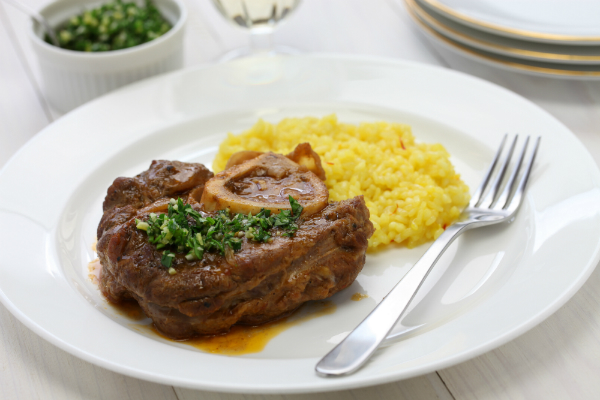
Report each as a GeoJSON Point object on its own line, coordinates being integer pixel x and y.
{"type": "Point", "coordinates": [557, 359]}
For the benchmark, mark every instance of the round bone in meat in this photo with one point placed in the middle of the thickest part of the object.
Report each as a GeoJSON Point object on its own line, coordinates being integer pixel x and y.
{"type": "Point", "coordinates": [265, 182]}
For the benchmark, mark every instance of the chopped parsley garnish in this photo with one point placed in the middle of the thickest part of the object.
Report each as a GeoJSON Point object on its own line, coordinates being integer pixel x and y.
{"type": "Point", "coordinates": [184, 230]}
{"type": "Point", "coordinates": [112, 26]}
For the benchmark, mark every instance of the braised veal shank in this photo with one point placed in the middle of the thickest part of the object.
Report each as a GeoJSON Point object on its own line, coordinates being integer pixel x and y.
{"type": "Point", "coordinates": [262, 282]}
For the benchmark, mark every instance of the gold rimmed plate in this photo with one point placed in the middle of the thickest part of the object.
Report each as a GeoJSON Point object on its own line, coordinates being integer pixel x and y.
{"type": "Point", "coordinates": [550, 21]}
{"type": "Point", "coordinates": [531, 67]}
{"type": "Point", "coordinates": [505, 46]}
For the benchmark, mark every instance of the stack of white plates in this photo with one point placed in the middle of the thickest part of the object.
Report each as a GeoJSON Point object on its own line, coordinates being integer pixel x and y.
{"type": "Point", "coordinates": [543, 37]}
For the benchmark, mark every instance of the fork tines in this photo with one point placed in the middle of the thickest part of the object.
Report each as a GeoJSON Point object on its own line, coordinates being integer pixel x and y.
{"type": "Point", "coordinates": [500, 194]}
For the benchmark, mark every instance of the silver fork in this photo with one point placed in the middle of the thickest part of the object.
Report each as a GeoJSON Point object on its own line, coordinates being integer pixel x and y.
{"type": "Point", "coordinates": [490, 204]}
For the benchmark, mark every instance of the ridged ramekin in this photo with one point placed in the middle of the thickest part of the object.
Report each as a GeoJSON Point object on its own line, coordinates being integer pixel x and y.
{"type": "Point", "coordinates": [71, 78]}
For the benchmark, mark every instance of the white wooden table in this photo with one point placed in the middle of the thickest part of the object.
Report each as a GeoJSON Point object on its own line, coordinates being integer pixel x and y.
{"type": "Point", "coordinates": [559, 359]}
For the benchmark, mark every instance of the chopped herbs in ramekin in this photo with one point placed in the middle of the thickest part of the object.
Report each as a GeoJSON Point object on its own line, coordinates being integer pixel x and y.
{"type": "Point", "coordinates": [112, 26]}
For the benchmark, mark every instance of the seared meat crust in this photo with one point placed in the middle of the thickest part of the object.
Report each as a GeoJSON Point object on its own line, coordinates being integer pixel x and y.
{"type": "Point", "coordinates": [163, 180]}
{"type": "Point", "coordinates": [208, 296]}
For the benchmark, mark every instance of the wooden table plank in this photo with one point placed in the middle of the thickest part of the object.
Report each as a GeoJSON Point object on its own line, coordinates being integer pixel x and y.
{"type": "Point", "coordinates": [428, 387]}
{"type": "Point", "coordinates": [34, 369]}
{"type": "Point", "coordinates": [21, 111]}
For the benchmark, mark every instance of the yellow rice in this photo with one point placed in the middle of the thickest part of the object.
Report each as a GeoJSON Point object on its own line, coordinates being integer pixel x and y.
{"type": "Point", "coordinates": [411, 189]}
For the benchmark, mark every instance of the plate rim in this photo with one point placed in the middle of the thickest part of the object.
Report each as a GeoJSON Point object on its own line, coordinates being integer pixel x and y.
{"type": "Point", "coordinates": [510, 32]}
{"type": "Point", "coordinates": [503, 50]}
{"type": "Point", "coordinates": [550, 71]}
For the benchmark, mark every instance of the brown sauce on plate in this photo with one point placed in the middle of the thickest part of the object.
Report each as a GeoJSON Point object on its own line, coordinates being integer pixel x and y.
{"type": "Point", "coordinates": [243, 339]}
{"type": "Point", "coordinates": [130, 309]}
{"type": "Point", "coordinates": [358, 296]}
{"type": "Point", "coordinates": [94, 268]}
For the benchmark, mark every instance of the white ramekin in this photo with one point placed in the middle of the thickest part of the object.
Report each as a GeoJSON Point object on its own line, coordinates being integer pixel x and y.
{"type": "Point", "coordinates": [71, 78]}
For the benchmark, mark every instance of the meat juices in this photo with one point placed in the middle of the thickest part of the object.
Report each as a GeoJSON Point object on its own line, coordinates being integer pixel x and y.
{"type": "Point", "coordinates": [263, 282]}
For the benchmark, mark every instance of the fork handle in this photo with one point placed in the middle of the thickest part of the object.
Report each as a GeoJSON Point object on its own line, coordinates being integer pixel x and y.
{"type": "Point", "coordinates": [350, 354]}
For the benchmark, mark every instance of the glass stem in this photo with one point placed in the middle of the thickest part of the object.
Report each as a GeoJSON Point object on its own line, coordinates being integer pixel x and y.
{"type": "Point", "coordinates": [261, 41]}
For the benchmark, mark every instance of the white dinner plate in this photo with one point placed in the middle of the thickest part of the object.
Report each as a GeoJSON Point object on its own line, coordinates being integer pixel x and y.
{"type": "Point", "coordinates": [496, 44]}
{"type": "Point", "coordinates": [493, 284]}
{"type": "Point", "coordinates": [552, 21]}
{"type": "Point", "coordinates": [445, 44]}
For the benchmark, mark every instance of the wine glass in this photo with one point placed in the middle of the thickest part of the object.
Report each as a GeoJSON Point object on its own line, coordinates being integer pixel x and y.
{"type": "Point", "coordinates": [260, 18]}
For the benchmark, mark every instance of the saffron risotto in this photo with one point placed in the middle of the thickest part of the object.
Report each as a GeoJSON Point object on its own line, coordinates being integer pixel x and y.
{"type": "Point", "coordinates": [411, 189]}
